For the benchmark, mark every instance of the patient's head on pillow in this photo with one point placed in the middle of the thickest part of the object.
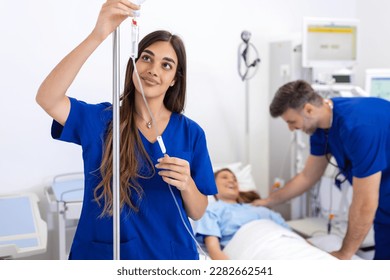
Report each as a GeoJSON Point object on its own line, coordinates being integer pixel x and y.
{"type": "Point", "coordinates": [243, 174]}
{"type": "Point", "coordinates": [228, 188]}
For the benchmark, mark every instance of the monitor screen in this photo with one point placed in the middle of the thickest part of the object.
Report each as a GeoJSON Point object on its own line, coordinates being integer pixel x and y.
{"type": "Point", "coordinates": [378, 83]}
{"type": "Point", "coordinates": [330, 43]}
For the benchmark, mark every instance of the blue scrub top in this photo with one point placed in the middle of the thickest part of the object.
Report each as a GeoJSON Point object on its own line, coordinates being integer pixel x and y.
{"type": "Point", "coordinates": [156, 230]}
{"type": "Point", "coordinates": [359, 140]}
{"type": "Point", "coordinates": [223, 219]}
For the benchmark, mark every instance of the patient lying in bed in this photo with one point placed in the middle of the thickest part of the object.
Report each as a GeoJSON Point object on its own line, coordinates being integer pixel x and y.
{"type": "Point", "coordinates": [231, 221]}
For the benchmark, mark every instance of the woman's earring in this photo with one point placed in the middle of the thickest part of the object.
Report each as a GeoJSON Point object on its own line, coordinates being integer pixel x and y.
{"type": "Point", "coordinates": [173, 83]}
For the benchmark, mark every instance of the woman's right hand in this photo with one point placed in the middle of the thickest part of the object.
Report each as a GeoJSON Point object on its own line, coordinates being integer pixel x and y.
{"type": "Point", "coordinates": [112, 14]}
{"type": "Point", "coordinates": [51, 94]}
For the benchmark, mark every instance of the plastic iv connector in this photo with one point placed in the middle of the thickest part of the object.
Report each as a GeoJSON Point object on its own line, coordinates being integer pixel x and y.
{"type": "Point", "coordinates": [137, 13]}
{"type": "Point", "coordinates": [161, 144]}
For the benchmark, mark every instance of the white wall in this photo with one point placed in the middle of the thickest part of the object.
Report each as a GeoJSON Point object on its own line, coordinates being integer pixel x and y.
{"type": "Point", "coordinates": [375, 41]}
{"type": "Point", "coordinates": [37, 34]}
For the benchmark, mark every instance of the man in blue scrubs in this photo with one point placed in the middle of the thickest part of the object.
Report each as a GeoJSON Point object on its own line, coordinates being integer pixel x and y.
{"type": "Point", "coordinates": [356, 132]}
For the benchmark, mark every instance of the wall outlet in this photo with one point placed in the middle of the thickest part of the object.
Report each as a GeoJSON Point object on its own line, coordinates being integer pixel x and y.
{"type": "Point", "coordinates": [285, 70]}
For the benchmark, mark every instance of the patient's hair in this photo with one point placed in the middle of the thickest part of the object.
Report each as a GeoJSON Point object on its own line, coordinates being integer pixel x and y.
{"type": "Point", "coordinates": [293, 95]}
{"type": "Point", "coordinates": [220, 170]}
{"type": "Point", "coordinates": [248, 196]}
{"type": "Point", "coordinates": [244, 196]}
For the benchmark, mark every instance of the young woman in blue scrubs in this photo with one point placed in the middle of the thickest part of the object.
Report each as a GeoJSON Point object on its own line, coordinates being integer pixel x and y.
{"type": "Point", "coordinates": [356, 131]}
{"type": "Point", "coordinates": [151, 225]}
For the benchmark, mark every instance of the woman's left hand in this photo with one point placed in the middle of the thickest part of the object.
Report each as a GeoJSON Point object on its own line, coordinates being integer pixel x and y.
{"type": "Point", "coordinates": [175, 171]}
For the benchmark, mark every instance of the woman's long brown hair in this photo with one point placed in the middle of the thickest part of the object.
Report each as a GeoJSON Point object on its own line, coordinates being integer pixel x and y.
{"type": "Point", "coordinates": [133, 156]}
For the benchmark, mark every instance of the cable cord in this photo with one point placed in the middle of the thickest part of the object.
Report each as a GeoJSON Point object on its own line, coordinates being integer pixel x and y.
{"type": "Point", "coordinates": [154, 124]}
{"type": "Point", "coordinates": [185, 225]}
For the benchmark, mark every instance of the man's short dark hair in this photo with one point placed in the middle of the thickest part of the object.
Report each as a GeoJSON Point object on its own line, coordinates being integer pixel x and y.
{"type": "Point", "coordinates": [293, 95]}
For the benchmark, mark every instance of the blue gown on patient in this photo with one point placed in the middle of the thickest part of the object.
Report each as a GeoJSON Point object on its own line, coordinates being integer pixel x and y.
{"type": "Point", "coordinates": [223, 219]}
{"type": "Point", "coordinates": [359, 140]}
{"type": "Point", "coordinates": [156, 231]}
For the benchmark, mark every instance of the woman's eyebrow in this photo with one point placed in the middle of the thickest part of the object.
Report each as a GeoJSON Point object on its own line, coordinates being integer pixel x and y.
{"type": "Point", "coordinates": [169, 59]}
{"type": "Point", "coordinates": [164, 58]}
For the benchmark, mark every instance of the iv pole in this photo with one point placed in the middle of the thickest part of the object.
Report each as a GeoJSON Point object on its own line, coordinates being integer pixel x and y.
{"type": "Point", "coordinates": [116, 133]}
{"type": "Point", "coordinates": [116, 145]}
{"type": "Point", "coordinates": [243, 53]}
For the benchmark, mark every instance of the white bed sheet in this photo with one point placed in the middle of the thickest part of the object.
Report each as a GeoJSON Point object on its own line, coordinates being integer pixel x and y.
{"type": "Point", "coordinates": [266, 240]}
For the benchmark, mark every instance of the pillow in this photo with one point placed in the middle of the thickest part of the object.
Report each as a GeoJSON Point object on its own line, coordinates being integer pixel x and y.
{"type": "Point", "coordinates": [243, 174]}
{"type": "Point", "coordinates": [235, 167]}
{"type": "Point", "coordinates": [245, 179]}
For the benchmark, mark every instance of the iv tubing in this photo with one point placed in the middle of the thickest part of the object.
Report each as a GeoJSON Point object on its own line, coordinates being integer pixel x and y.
{"type": "Point", "coordinates": [154, 124]}
{"type": "Point", "coordinates": [163, 150]}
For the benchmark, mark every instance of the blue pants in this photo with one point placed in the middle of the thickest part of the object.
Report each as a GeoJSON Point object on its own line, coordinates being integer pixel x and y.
{"type": "Point", "coordinates": [382, 242]}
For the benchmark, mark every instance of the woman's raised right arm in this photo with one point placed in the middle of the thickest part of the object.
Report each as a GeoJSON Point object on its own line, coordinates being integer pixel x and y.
{"type": "Point", "coordinates": [51, 94]}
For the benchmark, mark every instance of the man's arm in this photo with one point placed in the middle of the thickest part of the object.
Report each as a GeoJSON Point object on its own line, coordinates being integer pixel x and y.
{"type": "Point", "coordinates": [361, 214]}
{"type": "Point", "coordinates": [314, 168]}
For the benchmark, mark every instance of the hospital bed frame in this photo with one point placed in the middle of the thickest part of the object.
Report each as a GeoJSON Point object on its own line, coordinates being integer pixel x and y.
{"type": "Point", "coordinates": [65, 196]}
{"type": "Point", "coordinates": [317, 226]}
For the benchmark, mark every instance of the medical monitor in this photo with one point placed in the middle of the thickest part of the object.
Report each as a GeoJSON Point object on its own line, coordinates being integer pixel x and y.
{"type": "Point", "coordinates": [378, 83]}
{"type": "Point", "coordinates": [329, 43]}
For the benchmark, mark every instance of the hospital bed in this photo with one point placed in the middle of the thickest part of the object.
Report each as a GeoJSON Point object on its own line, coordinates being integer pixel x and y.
{"type": "Point", "coordinates": [315, 229]}
{"type": "Point", "coordinates": [65, 196]}
{"type": "Point", "coordinates": [264, 239]}
{"type": "Point", "coordinates": [260, 239]}
{"type": "Point", "coordinates": [22, 231]}
{"type": "Point", "coordinates": [315, 226]}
